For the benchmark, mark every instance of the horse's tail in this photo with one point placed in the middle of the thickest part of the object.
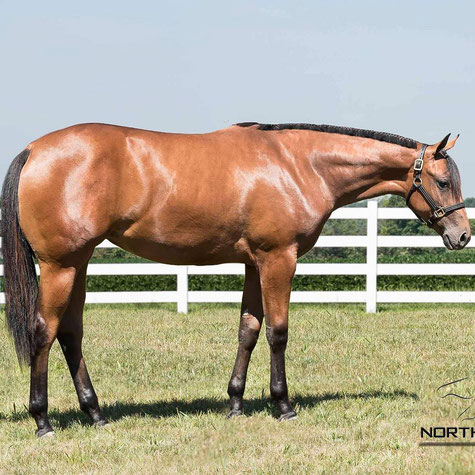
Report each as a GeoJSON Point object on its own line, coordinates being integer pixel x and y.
{"type": "Point", "coordinates": [19, 274]}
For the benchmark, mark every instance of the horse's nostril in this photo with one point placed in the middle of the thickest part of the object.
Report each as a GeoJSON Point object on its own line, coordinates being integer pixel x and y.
{"type": "Point", "coordinates": [463, 238]}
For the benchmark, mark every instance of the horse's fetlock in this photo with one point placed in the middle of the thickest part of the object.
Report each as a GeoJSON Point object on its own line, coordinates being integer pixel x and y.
{"type": "Point", "coordinates": [278, 390]}
{"type": "Point", "coordinates": [38, 406]}
{"type": "Point", "coordinates": [88, 401]}
{"type": "Point", "coordinates": [236, 387]}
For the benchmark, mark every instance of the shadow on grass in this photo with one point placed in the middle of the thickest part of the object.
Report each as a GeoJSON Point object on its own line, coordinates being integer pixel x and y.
{"type": "Point", "coordinates": [176, 408]}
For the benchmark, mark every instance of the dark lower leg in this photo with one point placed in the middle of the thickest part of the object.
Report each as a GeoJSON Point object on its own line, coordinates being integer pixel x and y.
{"type": "Point", "coordinates": [248, 334]}
{"type": "Point", "coordinates": [71, 346]}
{"type": "Point", "coordinates": [249, 327]}
{"type": "Point", "coordinates": [38, 407]}
{"type": "Point", "coordinates": [277, 338]}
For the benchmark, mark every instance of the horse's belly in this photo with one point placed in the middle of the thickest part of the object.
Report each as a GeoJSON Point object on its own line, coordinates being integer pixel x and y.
{"type": "Point", "coordinates": [206, 252]}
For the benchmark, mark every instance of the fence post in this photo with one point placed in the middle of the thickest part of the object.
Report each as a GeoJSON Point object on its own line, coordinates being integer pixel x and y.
{"type": "Point", "coordinates": [372, 256]}
{"type": "Point", "coordinates": [182, 289]}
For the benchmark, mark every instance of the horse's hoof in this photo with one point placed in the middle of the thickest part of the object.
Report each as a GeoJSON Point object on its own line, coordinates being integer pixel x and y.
{"type": "Point", "coordinates": [102, 423]}
{"type": "Point", "coordinates": [288, 416]}
{"type": "Point", "coordinates": [234, 413]}
{"type": "Point", "coordinates": [44, 433]}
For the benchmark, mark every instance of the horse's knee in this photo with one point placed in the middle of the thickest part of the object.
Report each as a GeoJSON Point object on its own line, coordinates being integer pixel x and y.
{"type": "Point", "coordinates": [277, 336]}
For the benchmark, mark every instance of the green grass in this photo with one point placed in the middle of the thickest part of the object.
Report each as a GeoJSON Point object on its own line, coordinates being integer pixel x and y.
{"type": "Point", "coordinates": [362, 384]}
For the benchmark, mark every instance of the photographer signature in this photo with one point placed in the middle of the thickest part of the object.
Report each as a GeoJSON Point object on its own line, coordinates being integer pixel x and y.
{"type": "Point", "coordinates": [467, 412]}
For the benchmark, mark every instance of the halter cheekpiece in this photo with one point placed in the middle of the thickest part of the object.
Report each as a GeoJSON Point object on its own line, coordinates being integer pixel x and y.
{"type": "Point", "coordinates": [437, 211]}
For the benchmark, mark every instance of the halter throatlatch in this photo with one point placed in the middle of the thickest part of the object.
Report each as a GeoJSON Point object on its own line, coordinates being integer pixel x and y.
{"type": "Point", "coordinates": [437, 211]}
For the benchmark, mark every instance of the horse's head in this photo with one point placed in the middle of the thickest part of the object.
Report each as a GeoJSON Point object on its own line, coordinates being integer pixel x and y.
{"type": "Point", "coordinates": [435, 195]}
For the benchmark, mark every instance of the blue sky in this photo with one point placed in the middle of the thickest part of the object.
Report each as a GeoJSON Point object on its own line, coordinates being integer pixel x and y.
{"type": "Point", "coordinates": [403, 67]}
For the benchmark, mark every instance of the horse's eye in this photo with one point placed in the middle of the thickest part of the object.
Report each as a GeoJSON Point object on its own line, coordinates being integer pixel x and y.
{"type": "Point", "coordinates": [442, 184]}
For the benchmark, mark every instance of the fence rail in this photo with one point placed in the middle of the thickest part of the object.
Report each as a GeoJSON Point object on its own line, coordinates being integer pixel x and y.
{"type": "Point", "coordinates": [371, 296]}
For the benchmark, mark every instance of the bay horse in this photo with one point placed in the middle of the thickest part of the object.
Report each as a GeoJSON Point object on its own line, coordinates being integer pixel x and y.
{"type": "Point", "coordinates": [257, 194]}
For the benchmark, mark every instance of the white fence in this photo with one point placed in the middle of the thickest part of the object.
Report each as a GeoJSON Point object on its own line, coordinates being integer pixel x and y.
{"type": "Point", "coordinates": [371, 296]}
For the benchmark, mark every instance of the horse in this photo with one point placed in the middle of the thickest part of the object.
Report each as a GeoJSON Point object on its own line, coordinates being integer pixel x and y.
{"type": "Point", "coordinates": [257, 194]}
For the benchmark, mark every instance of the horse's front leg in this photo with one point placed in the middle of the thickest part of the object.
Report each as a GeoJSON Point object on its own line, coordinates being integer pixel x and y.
{"type": "Point", "coordinates": [249, 327]}
{"type": "Point", "coordinates": [276, 272]}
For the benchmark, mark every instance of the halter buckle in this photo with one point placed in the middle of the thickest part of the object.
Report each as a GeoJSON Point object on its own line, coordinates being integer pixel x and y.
{"type": "Point", "coordinates": [439, 212]}
{"type": "Point", "coordinates": [418, 164]}
{"type": "Point", "coordinates": [417, 182]}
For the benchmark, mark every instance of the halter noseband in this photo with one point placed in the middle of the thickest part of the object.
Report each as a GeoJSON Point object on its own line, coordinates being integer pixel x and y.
{"type": "Point", "coordinates": [437, 211]}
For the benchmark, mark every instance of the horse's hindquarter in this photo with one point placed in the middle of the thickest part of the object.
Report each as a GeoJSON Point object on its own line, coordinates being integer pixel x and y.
{"type": "Point", "coordinates": [180, 199]}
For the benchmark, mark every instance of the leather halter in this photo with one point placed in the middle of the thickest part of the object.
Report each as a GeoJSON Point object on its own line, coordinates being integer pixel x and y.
{"type": "Point", "coordinates": [437, 211]}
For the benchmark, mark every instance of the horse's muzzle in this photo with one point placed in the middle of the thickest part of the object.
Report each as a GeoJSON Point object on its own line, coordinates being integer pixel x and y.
{"type": "Point", "coordinates": [456, 243]}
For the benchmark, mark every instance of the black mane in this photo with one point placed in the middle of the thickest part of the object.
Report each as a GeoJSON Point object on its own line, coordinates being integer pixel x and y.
{"type": "Point", "coordinates": [454, 175]}
{"type": "Point", "coordinates": [335, 129]}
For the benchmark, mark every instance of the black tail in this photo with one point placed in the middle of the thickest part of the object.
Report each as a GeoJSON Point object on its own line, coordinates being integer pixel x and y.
{"type": "Point", "coordinates": [19, 275]}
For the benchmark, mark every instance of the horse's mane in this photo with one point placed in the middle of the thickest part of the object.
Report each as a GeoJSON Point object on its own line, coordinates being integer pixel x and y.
{"type": "Point", "coordinates": [335, 129]}
{"type": "Point", "coordinates": [454, 175]}
{"type": "Point", "coordinates": [369, 134]}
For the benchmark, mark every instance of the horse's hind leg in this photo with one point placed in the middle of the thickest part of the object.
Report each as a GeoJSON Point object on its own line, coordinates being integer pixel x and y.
{"type": "Point", "coordinates": [70, 335]}
{"type": "Point", "coordinates": [249, 327]}
{"type": "Point", "coordinates": [56, 285]}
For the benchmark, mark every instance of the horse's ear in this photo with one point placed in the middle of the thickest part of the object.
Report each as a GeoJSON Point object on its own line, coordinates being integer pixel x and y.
{"type": "Point", "coordinates": [451, 143]}
{"type": "Point", "coordinates": [442, 144]}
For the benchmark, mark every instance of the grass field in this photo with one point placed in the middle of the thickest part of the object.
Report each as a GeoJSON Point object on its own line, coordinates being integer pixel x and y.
{"type": "Point", "coordinates": [363, 386]}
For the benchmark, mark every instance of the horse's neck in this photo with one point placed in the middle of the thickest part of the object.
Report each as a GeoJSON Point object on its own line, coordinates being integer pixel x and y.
{"type": "Point", "coordinates": [357, 169]}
